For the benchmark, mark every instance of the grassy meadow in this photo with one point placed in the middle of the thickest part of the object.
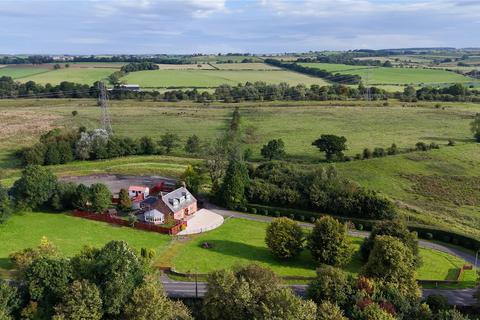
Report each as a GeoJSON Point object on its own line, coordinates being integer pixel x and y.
{"type": "Point", "coordinates": [43, 74]}
{"type": "Point", "coordinates": [214, 78]}
{"type": "Point", "coordinates": [382, 76]}
{"type": "Point", "coordinates": [438, 187]}
{"type": "Point", "coordinates": [20, 72]}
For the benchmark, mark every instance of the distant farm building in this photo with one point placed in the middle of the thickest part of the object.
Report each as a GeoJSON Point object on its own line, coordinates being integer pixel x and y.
{"type": "Point", "coordinates": [129, 87]}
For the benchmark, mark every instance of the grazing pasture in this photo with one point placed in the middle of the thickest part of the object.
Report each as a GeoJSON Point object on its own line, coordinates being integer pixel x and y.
{"type": "Point", "coordinates": [214, 78]}
{"type": "Point", "coordinates": [405, 178]}
{"type": "Point", "coordinates": [245, 66]}
{"type": "Point", "coordinates": [77, 75]}
{"type": "Point", "coordinates": [381, 75]}
{"type": "Point", "coordinates": [20, 72]}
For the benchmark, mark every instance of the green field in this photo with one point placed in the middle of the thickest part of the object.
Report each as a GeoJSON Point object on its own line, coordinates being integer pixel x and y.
{"type": "Point", "coordinates": [22, 72]}
{"type": "Point", "coordinates": [77, 75]}
{"type": "Point", "coordinates": [214, 78]}
{"type": "Point", "coordinates": [242, 241]}
{"type": "Point", "coordinates": [380, 75]}
{"type": "Point", "coordinates": [245, 66]}
{"type": "Point", "coordinates": [417, 181]}
{"type": "Point", "coordinates": [236, 242]}
{"type": "Point", "coordinates": [298, 124]}
{"type": "Point", "coordinates": [69, 234]}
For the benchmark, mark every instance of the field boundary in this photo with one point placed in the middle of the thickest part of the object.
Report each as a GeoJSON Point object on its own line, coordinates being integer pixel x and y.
{"type": "Point", "coordinates": [137, 225]}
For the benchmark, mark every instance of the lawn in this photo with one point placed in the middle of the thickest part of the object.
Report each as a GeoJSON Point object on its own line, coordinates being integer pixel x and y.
{"type": "Point", "coordinates": [69, 234]}
{"type": "Point", "coordinates": [214, 78]}
{"type": "Point", "coordinates": [239, 242]}
{"type": "Point", "coordinates": [380, 75]}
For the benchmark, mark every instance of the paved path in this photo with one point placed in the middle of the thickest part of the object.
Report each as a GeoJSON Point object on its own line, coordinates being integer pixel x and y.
{"type": "Point", "coordinates": [181, 289]}
{"type": "Point", "coordinates": [459, 297]}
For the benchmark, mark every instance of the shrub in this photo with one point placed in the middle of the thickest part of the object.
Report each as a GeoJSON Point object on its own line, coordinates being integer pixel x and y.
{"type": "Point", "coordinates": [421, 146]}
{"type": "Point", "coordinates": [360, 227]}
{"type": "Point", "coordinates": [253, 210]}
{"type": "Point", "coordinates": [429, 236]}
{"type": "Point", "coordinates": [451, 142]}
{"type": "Point", "coordinates": [312, 219]}
{"type": "Point", "coordinates": [291, 216]}
{"type": "Point", "coordinates": [367, 153]}
{"type": "Point", "coordinates": [434, 145]}
{"type": "Point", "coordinates": [302, 218]}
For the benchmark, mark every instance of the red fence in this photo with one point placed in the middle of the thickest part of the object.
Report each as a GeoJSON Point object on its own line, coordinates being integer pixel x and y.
{"type": "Point", "coordinates": [138, 225]}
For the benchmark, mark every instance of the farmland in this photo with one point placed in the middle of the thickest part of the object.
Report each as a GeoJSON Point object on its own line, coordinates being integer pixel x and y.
{"type": "Point", "coordinates": [400, 76]}
{"type": "Point", "coordinates": [214, 78]}
{"type": "Point", "coordinates": [84, 73]}
{"type": "Point", "coordinates": [406, 178]}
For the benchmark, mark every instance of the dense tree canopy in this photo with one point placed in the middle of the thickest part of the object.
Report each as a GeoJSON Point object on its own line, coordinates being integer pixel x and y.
{"type": "Point", "coordinates": [35, 187]}
{"type": "Point", "coordinates": [252, 292]}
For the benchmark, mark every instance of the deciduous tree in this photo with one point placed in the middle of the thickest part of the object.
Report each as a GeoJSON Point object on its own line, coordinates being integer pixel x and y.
{"type": "Point", "coordinates": [35, 187]}
{"type": "Point", "coordinates": [169, 141]}
{"type": "Point", "coordinates": [329, 242]}
{"type": "Point", "coordinates": [81, 301]}
{"type": "Point", "coordinates": [274, 149]}
{"type": "Point", "coordinates": [285, 238]}
{"type": "Point", "coordinates": [332, 145]}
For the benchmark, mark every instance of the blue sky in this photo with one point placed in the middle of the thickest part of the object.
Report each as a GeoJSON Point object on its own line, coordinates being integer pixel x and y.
{"type": "Point", "coordinates": [211, 26]}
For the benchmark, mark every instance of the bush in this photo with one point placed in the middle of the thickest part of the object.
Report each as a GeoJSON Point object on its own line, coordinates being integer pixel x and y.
{"type": "Point", "coordinates": [429, 236]}
{"type": "Point", "coordinates": [302, 218]}
{"type": "Point", "coordinates": [312, 219]}
{"type": "Point", "coordinates": [451, 142]}
{"type": "Point", "coordinates": [359, 227]}
{"type": "Point", "coordinates": [291, 216]}
{"type": "Point", "coordinates": [253, 210]}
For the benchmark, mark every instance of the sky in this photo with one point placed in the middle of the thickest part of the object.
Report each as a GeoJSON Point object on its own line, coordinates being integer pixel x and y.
{"type": "Point", "coordinates": [213, 26]}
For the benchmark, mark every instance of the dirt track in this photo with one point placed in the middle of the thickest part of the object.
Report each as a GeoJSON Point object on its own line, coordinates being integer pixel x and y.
{"type": "Point", "coordinates": [116, 181]}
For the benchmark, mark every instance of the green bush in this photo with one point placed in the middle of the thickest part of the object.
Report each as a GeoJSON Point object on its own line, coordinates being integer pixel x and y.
{"type": "Point", "coordinates": [359, 227]}
{"type": "Point", "coordinates": [429, 236]}
{"type": "Point", "coordinates": [291, 216]}
{"type": "Point", "coordinates": [265, 212]}
{"type": "Point", "coordinates": [253, 210]}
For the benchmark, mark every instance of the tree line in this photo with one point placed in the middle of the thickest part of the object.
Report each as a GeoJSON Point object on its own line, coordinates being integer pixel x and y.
{"type": "Point", "coordinates": [257, 91]}
{"type": "Point", "coordinates": [324, 74]}
{"type": "Point", "coordinates": [62, 146]}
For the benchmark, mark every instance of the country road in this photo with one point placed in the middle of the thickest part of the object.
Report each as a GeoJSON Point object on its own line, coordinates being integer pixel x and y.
{"type": "Point", "coordinates": [459, 297]}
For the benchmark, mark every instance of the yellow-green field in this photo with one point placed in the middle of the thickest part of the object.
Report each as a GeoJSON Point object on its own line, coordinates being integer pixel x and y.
{"type": "Point", "coordinates": [214, 78]}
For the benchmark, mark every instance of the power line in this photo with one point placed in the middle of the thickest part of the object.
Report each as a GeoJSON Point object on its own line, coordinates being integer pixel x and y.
{"type": "Point", "coordinates": [102, 102]}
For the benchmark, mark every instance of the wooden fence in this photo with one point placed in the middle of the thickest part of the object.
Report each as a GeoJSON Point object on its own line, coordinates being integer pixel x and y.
{"type": "Point", "coordinates": [179, 226]}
